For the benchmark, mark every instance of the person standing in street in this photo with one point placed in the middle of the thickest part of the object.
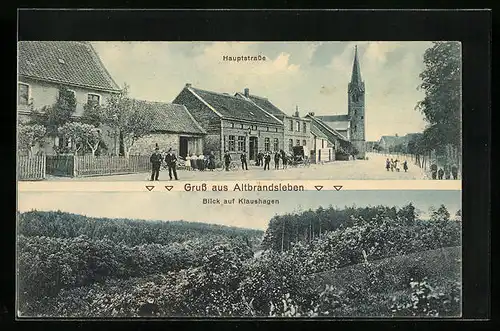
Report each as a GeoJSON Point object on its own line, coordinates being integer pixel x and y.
{"type": "Point", "coordinates": [243, 158]}
{"type": "Point", "coordinates": [155, 160]}
{"type": "Point", "coordinates": [434, 170]}
{"type": "Point", "coordinates": [277, 160]}
{"type": "Point", "coordinates": [211, 161]}
{"type": "Point", "coordinates": [171, 161]}
{"type": "Point", "coordinates": [284, 159]}
{"type": "Point", "coordinates": [387, 164]}
{"type": "Point", "coordinates": [267, 160]}
{"type": "Point", "coordinates": [405, 166]}
{"type": "Point", "coordinates": [440, 173]}
{"type": "Point", "coordinates": [227, 160]}
{"type": "Point", "coordinates": [454, 171]}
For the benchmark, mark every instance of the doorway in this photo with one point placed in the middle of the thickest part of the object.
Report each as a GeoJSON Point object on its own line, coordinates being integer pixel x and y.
{"type": "Point", "coordinates": [183, 147]}
{"type": "Point", "coordinates": [253, 146]}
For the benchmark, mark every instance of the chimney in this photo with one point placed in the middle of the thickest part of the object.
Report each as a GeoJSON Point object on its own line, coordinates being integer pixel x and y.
{"type": "Point", "coordinates": [247, 92]}
{"type": "Point", "coordinates": [311, 113]}
{"type": "Point", "coordinates": [296, 111]}
{"type": "Point", "coordinates": [188, 85]}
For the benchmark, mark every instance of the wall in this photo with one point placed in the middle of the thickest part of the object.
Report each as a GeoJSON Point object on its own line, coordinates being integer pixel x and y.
{"type": "Point", "coordinates": [45, 94]}
{"type": "Point", "coordinates": [146, 145]}
{"type": "Point", "coordinates": [294, 134]}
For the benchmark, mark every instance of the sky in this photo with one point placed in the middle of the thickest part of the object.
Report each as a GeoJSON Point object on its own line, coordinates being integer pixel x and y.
{"type": "Point", "coordinates": [312, 76]}
{"type": "Point", "coordinates": [188, 206]}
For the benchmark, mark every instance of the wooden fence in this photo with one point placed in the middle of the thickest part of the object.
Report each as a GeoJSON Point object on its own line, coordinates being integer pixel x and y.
{"type": "Point", "coordinates": [88, 165]}
{"type": "Point", "coordinates": [31, 167]}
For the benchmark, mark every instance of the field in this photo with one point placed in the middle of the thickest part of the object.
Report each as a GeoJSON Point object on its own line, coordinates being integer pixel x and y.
{"type": "Point", "coordinates": [378, 261]}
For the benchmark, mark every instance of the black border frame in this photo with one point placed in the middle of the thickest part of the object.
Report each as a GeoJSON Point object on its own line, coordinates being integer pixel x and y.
{"type": "Point", "coordinates": [471, 27]}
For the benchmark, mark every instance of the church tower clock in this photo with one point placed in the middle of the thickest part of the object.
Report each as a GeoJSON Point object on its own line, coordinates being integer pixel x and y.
{"type": "Point", "coordinates": [356, 108]}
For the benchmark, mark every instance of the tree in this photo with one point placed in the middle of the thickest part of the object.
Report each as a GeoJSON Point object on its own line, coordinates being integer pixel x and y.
{"type": "Point", "coordinates": [130, 119]}
{"type": "Point", "coordinates": [441, 214]}
{"type": "Point", "coordinates": [55, 116]}
{"type": "Point", "coordinates": [81, 135]}
{"type": "Point", "coordinates": [29, 135]}
{"type": "Point", "coordinates": [408, 214]}
{"type": "Point", "coordinates": [441, 81]}
{"type": "Point", "coordinates": [93, 114]}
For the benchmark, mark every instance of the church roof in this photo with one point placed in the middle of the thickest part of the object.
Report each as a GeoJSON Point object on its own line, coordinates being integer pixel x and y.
{"type": "Point", "coordinates": [65, 62]}
{"type": "Point", "coordinates": [331, 133]}
{"type": "Point", "coordinates": [333, 118]}
{"type": "Point", "coordinates": [356, 71]}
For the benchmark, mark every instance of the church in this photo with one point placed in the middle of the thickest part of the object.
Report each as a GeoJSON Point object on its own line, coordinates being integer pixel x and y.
{"type": "Point", "coordinates": [347, 129]}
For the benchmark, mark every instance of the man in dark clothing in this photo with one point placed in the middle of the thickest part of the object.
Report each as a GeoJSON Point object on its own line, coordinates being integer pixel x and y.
{"type": "Point", "coordinates": [447, 174]}
{"type": "Point", "coordinates": [261, 159]}
{"type": "Point", "coordinates": [434, 170]}
{"type": "Point", "coordinates": [405, 166]}
{"type": "Point", "coordinates": [243, 158]}
{"type": "Point", "coordinates": [267, 159]}
{"type": "Point", "coordinates": [227, 160]}
{"type": "Point", "coordinates": [284, 158]}
{"type": "Point", "coordinates": [454, 171]}
{"type": "Point", "coordinates": [155, 160]}
{"type": "Point", "coordinates": [440, 173]}
{"type": "Point", "coordinates": [277, 160]}
{"type": "Point", "coordinates": [171, 161]}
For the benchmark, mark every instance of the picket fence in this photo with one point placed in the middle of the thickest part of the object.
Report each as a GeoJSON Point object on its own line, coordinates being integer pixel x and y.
{"type": "Point", "coordinates": [89, 165]}
{"type": "Point", "coordinates": [31, 167]}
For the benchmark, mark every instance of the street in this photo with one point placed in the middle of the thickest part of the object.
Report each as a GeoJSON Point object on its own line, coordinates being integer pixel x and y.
{"type": "Point", "coordinates": [371, 169]}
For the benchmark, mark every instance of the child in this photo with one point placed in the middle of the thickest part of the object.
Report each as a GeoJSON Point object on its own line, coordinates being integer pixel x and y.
{"type": "Point", "coordinates": [187, 163]}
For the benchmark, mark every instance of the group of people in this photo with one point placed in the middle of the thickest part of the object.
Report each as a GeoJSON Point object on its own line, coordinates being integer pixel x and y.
{"type": "Point", "coordinates": [200, 162]}
{"type": "Point", "coordinates": [263, 159]}
{"type": "Point", "coordinates": [393, 164]}
{"type": "Point", "coordinates": [446, 172]}
{"type": "Point", "coordinates": [156, 160]}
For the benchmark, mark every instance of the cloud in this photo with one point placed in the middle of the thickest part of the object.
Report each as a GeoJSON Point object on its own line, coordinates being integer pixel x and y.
{"type": "Point", "coordinates": [313, 75]}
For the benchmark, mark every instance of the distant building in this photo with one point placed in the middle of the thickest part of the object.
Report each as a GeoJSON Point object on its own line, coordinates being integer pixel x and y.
{"type": "Point", "coordinates": [296, 130]}
{"type": "Point", "coordinates": [338, 143]}
{"type": "Point", "coordinates": [173, 127]}
{"type": "Point", "coordinates": [387, 143]}
{"type": "Point", "coordinates": [44, 66]}
{"type": "Point", "coordinates": [232, 123]}
{"type": "Point", "coordinates": [351, 125]}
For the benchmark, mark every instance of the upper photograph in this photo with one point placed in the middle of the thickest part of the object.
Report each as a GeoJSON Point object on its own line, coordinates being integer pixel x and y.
{"type": "Point", "coordinates": [161, 111]}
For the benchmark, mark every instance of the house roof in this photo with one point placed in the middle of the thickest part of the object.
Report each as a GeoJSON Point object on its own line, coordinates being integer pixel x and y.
{"type": "Point", "coordinates": [328, 131]}
{"type": "Point", "coordinates": [234, 107]}
{"type": "Point", "coordinates": [391, 140]}
{"type": "Point", "coordinates": [169, 117]}
{"type": "Point", "coordinates": [316, 132]}
{"type": "Point", "coordinates": [65, 62]}
{"type": "Point", "coordinates": [265, 104]}
{"type": "Point", "coordinates": [334, 118]}
{"type": "Point", "coordinates": [338, 125]}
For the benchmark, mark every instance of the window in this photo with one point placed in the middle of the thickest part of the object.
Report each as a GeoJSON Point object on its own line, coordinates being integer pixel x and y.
{"type": "Point", "coordinates": [267, 128]}
{"type": "Point", "coordinates": [298, 126]}
{"type": "Point", "coordinates": [266, 144]}
{"type": "Point", "coordinates": [94, 98]}
{"type": "Point", "coordinates": [241, 126]}
{"type": "Point", "coordinates": [290, 144]}
{"type": "Point", "coordinates": [241, 144]}
{"type": "Point", "coordinates": [304, 127]}
{"type": "Point", "coordinates": [362, 117]}
{"type": "Point", "coordinates": [291, 125]}
{"type": "Point", "coordinates": [355, 128]}
{"type": "Point", "coordinates": [276, 144]}
{"type": "Point", "coordinates": [322, 143]}
{"type": "Point", "coordinates": [23, 93]}
{"type": "Point", "coordinates": [232, 125]}
{"type": "Point", "coordinates": [298, 142]}
{"type": "Point", "coordinates": [276, 129]}
{"type": "Point", "coordinates": [304, 143]}
{"type": "Point", "coordinates": [231, 143]}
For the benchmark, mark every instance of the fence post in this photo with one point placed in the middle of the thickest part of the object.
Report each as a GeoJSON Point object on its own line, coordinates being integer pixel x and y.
{"type": "Point", "coordinates": [75, 166]}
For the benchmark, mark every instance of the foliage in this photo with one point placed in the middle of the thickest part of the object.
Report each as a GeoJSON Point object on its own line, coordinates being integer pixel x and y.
{"type": "Point", "coordinates": [93, 114]}
{"type": "Point", "coordinates": [55, 116]}
{"type": "Point", "coordinates": [441, 81]}
{"type": "Point", "coordinates": [29, 135]}
{"type": "Point", "coordinates": [81, 136]}
{"type": "Point", "coordinates": [127, 231]}
{"type": "Point", "coordinates": [130, 119]}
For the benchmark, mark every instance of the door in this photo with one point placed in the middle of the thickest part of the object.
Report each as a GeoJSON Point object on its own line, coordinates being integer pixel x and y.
{"type": "Point", "coordinates": [183, 146]}
{"type": "Point", "coordinates": [253, 146]}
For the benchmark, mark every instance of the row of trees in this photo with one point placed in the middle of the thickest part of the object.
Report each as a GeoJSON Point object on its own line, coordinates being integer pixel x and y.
{"type": "Point", "coordinates": [285, 230]}
{"type": "Point", "coordinates": [121, 118]}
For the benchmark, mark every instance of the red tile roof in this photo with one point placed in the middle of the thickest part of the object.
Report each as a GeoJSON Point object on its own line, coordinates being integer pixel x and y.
{"type": "Point", "coordinates": [66, 62]}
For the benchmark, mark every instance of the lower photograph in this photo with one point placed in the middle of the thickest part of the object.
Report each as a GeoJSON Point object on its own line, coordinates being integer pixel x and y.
{"type": "Point", "coordinates": [326, 254]}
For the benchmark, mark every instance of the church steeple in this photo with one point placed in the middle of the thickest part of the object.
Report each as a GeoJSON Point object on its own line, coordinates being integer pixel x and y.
{"type": "Point", "coordinates": [356, 72]}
